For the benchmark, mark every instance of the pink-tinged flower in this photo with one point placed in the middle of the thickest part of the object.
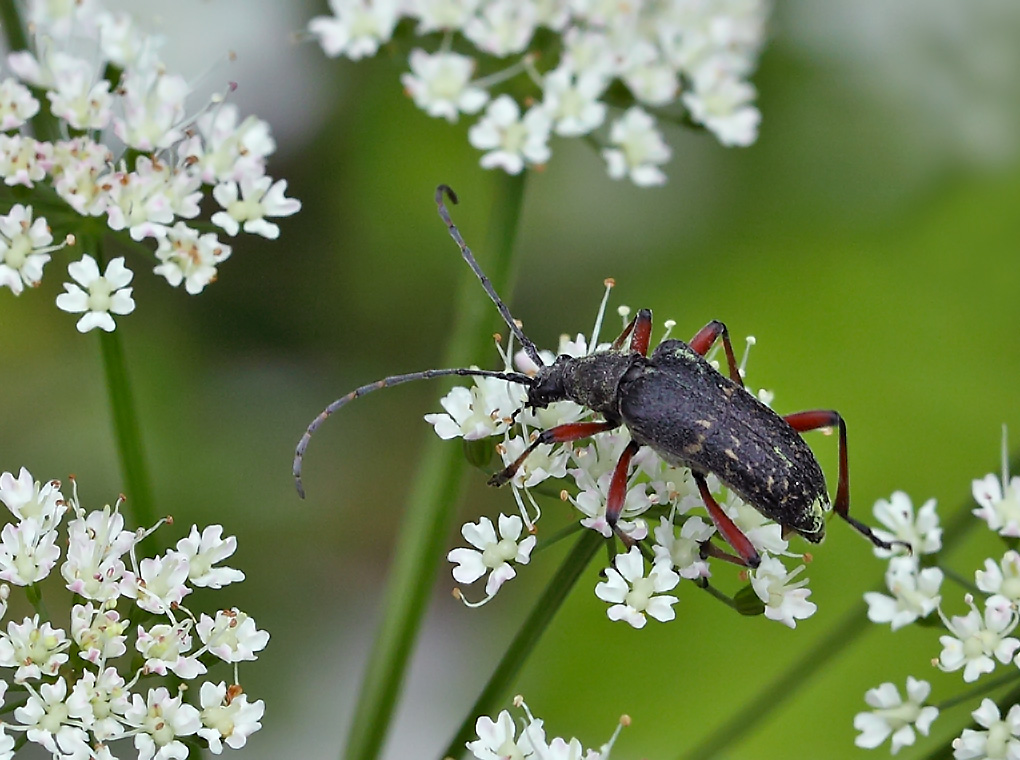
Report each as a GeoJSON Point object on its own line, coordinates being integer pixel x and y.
{"type": "Point", "coordinates": [160, 720]}
{"type": "Point", "coordinates": [978, 640]}
{"type": "Point", "coordinates": [159, 584]}
{"type": "Point", "coordinates": [25, 246]}
{"type": "Point", "coordinates": [35, 650]}
{"type": "Point", "coordinates": [231, 636]}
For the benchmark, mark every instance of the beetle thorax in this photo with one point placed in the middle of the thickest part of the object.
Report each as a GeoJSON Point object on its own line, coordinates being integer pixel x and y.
{"type": "Point", "coordinates": [591, 381]}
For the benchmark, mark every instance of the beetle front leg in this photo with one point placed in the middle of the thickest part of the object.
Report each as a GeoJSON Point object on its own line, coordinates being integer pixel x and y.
{"type": "Point", "coordinates": [827, 418]}
{"type": "Point", "coordinates": [708, 335]}
{"type": "Point", "coordinates": [726, 527]}
{"type": "Point", "coordinates": [641, 327]}
{"type": "Point", "coordinates": [571, 431]}
{"type": "Point", "coordinates": [618, 491]}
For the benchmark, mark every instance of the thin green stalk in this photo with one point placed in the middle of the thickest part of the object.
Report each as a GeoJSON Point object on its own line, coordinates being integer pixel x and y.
{"type": "Point", "coordinates": [531, 630]}
{"type": "Point", "coordinates": [126, 428]}
{"type": "Point", "coordinates": [774, 695]}
{"type": "Point", "coordinates": [434, 493]}
{"type": "Point", "coordinates": [979, 691]}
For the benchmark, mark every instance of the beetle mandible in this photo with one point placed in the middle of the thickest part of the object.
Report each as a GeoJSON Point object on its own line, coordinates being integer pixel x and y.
{"type": "Point", "coordinates": [675, 402]}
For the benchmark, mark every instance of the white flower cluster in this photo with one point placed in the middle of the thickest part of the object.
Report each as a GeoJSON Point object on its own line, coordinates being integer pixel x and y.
{"type": "Point", "coordinates": [634, 587]}
{"type": "Point", "coordinates": [557, 67]}
{"type": "Point", "coordinates": [975, 643]}
{"type": "Point", "coordinates": [112, 138]}
{"type": "Point", "coordinates": [499, 739]}
{"type": "Point", "coordinates": [77, 689]}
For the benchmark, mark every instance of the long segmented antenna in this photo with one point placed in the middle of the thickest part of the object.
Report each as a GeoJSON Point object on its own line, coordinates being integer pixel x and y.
{"type": "Point", "coordinates": [527, 345]}
{"type": "Point", "coordinates": [388, 382]}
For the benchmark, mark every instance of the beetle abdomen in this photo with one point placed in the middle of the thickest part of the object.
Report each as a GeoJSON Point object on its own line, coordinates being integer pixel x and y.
{"type": "Point", "coordinates": [693, 416]}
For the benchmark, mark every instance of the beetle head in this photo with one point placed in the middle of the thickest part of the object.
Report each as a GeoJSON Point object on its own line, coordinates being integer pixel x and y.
{"type": "Point", "coordinates": [548, 386]}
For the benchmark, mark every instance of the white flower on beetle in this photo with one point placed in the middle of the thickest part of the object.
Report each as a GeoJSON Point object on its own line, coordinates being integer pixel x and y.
{"type": "Point", "coordinates": [96, 295]}
{"type": "Point", "coordinates": [247, 204]}
{"type": "Point", "coordinates": [915, 593]}
{"type": "Point", "coordinates": [440, 84]}
{"type": "Point", "coordinates": [1000, 739]}
{"type": "Point", "coordinates": [978, 640]}
{"type": "Point", "coordinates": [637, 149]}
{"type": "Point", "coordinates": [633, 595]}
{"type": "Point", "coordinates": [785, 602]}
{"type": "Point", "coordinates": [921, 532]}
{"type": "Point", "coordinates": [892, 716]}
{"type": "Point", "coordinates": [227, 716]}
{"type": "Point", "coordinates": [511, 141]}
{"type": "Point", "coordinates": [492, 554]}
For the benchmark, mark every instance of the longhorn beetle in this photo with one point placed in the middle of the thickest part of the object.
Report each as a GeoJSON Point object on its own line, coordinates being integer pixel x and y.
{"type": "Point", "coordinates": [678, 404]}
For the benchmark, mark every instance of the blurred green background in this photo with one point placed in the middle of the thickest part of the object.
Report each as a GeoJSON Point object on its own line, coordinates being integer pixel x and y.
{"type": "Point", "coordinates": [869, 240]}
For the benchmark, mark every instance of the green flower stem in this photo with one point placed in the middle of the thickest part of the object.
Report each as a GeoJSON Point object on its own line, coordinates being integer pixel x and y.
{"type": "Point", "coordinates": [435, 488]}
{"type": "Point", "coordinates": [969, 586]}
{"type": "Point", "coordinates": [979, 691]}
{"type": "Point", "coordinates": [760, 707]}
{"type": "Point", "coordinates": [13, 27]}
{"type": "Point", "coordinates": [127, 431]}
{"type": "Point", "coordinates": [531, 630]}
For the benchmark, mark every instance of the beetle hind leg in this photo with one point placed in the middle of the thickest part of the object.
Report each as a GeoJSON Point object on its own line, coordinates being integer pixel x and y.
{"type": "Point", "coordinates": [727, 528]}
{"type": "Point", "coordinates": [815, 420]}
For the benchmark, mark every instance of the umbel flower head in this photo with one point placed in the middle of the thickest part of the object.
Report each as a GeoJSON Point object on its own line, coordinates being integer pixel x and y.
{"type": "Point", "coordinates": [638, 581]}
{"type": "Point", "coordinates": [528, 70]}
{"type": "Point", "coordinates": [93, 124]}
{"type": "Point", "coordinates": [97, 680]}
